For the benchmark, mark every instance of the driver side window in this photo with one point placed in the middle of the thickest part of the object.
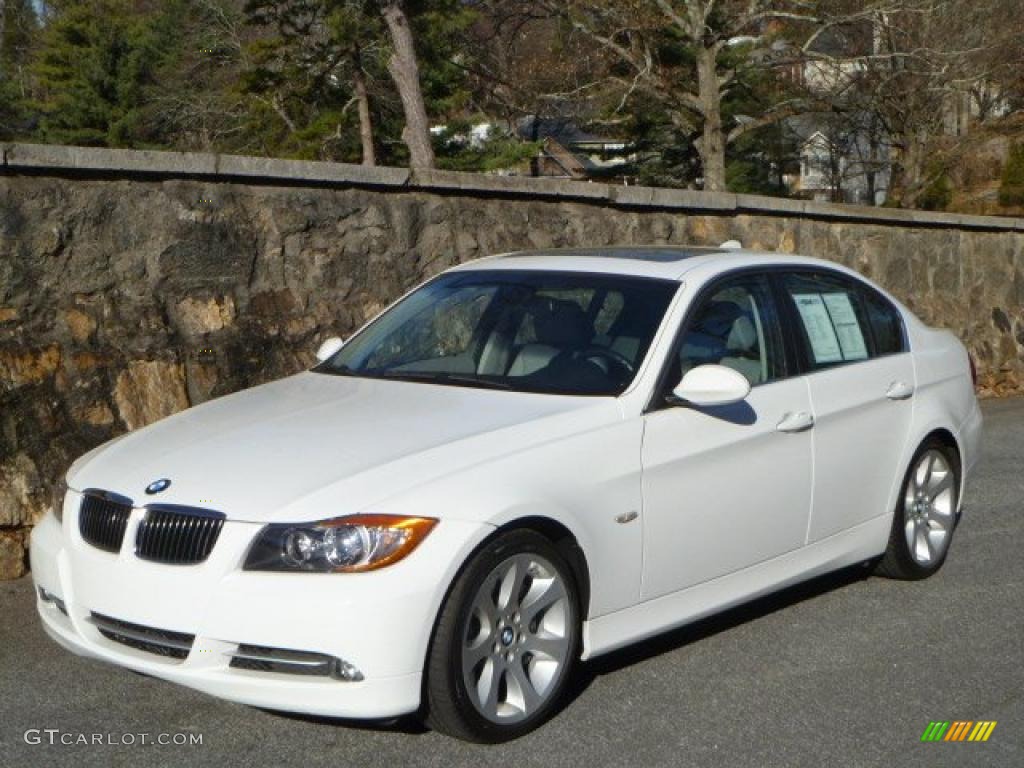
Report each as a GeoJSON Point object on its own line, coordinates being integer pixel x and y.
{"type": "Point", "coordinates": [736, 326]}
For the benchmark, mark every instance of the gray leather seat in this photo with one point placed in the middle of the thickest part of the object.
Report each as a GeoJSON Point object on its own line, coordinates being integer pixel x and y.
{"type": "Point", "coordinates": [743, 351]}
{"type": "Point", "coordinates": [725, 334]}
{"type": "Point", "coordinates": [559, 326]}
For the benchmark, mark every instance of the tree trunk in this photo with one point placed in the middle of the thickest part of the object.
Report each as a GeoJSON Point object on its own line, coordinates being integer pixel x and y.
{"type": "Point", "coordinates": [711, 144]}
{"type": "Point", "coordinates": [365, 123]}
{"type": "Point", "coordinates": [405, 71]}
{"type": "Point", "coordinates": [908, 172]}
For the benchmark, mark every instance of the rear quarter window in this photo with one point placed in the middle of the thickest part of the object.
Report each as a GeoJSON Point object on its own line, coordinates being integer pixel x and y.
{"type": "Point", "coordinates": [886, 324]}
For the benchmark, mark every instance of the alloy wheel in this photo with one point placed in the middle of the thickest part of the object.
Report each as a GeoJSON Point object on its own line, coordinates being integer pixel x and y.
{"type": "Point", "coordinates": [517, 638]}
{"type": "Point", "coordinates": [929, 508]}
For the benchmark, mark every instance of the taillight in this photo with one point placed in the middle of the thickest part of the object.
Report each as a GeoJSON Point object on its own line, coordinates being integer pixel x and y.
{"type": "Point", "coordinates": [974, 369]}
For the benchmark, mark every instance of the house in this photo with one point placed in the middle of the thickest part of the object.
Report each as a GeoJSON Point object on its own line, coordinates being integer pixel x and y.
{"type": "Point", "coordinates": [571, 153]}
{"type": "Point", "coordinates": [845, 166]}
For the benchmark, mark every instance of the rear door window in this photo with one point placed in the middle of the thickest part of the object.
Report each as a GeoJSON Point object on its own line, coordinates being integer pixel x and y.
{"type": "Point", "coordinates": [832, 319]}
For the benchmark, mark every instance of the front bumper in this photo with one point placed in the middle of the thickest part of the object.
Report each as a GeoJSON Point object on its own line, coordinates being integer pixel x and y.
{"type": "Point", "coordinates": [380, 622]}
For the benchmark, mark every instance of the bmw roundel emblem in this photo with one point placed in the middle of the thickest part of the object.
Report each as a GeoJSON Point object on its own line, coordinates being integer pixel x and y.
{"type": "Point", "coordinates": [158, 485]}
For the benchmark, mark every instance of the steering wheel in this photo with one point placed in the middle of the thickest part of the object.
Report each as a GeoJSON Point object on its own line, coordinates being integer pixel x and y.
{"type": "Point", "coordinates": [609, 354]}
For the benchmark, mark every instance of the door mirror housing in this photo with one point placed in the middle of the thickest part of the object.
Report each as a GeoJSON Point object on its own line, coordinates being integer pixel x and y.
{"type": "Point", "coordinates": [708, 385]}
{"type": "Point", "coordinates": [329, 348]}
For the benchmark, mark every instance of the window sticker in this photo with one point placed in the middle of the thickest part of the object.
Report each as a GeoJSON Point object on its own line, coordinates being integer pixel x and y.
{"type": "Point", "coordinates": [818, 325]}
{"type": "Point", "coordinates": [844, 320]}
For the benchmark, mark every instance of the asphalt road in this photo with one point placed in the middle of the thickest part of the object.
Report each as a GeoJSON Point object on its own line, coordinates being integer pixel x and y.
{"type": "Point", "coordinates": [844, 671]}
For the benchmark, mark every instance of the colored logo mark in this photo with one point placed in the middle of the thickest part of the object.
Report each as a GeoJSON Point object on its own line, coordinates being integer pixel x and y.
{"type": "Point", "coordinates": [157, 486]}
{"type": "Point", "coordinates": [958, 730]}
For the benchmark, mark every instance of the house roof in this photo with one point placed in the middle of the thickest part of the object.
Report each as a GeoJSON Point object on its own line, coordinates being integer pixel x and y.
{"type": "Point", "coordinates": [855, 38]}
{"type": "Point", "coordinates": [562, 129]}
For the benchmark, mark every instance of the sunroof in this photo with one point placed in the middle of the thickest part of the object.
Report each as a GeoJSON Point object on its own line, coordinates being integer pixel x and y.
{"type": "Point", "coordinates": [663, 255]}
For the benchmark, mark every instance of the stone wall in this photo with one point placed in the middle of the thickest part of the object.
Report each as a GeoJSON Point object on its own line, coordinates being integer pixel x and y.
{"type": "Point", "coordinates": [134, 284]}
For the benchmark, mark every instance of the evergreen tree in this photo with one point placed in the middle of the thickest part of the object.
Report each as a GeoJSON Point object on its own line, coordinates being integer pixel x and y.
{"type": "Point", "coordinates": [18, 30]}
{"type": "Point", "coordinates": [95, 60]}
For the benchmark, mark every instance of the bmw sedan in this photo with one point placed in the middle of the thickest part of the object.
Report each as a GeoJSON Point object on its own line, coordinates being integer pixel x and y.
{"type": "Point", "coordinates": [528, 461]}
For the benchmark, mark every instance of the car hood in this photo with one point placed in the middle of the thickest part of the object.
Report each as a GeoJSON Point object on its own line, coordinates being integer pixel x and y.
{"type": "Point", "coordinates": [257, 454]}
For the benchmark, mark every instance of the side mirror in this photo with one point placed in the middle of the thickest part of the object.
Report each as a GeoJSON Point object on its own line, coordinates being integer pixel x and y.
{"type": "Point", "coordinates": [711, 385]}
{"type": "Point", "coordinates": [329, 348]}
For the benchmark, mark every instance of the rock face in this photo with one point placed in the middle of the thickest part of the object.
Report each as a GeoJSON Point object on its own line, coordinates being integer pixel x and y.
{"type": "Point", "coordinates": [125, 299]}
{"type": "Point", "coordinates": [146, 391]}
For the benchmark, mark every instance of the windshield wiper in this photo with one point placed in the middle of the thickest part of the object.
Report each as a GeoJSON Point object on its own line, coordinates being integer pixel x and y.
{"type": "Point", "coordinates": [445, 378]}
{"type": "Point", "coordinates": [337, 370]}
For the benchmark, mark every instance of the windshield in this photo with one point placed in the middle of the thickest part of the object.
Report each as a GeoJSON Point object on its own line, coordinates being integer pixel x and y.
{"type": "Point", "coordinates": [528, 331]}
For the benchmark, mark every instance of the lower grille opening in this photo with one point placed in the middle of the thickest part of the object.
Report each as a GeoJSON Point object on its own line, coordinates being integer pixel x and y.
{"type": "Point", "coordinates": [49, 597]}
{"type": "Point", "coordinates": [261, 658]}
{"type": "Point", "coordinates": [161, 642]}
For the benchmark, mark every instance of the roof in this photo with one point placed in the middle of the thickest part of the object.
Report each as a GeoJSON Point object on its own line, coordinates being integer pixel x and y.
{"type": "Point", "coordinates": [664, 262]}
{"type": "Point", "coordinates": [854, 38]}
{"type": "Point", "coordinates": [563, 130]}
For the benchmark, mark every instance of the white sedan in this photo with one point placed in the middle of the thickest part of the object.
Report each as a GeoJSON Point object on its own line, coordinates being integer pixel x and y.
{"type": "Point", "coordinates": [529, 460]}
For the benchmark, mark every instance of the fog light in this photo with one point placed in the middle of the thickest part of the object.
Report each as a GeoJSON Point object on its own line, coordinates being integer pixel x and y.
{"type": "Point", "coordinates": [347, 672]}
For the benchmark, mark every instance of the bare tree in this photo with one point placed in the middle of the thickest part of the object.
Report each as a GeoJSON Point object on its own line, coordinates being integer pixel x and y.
{"type": "Point", "coordinates": [404, 70]}
{"type": "Point", "coordinates": [635, 34]}
{"type": "Point", "coordinates": [929, 58]}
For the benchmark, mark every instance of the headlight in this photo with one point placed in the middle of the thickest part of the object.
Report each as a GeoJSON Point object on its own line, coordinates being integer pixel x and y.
{"type": "Point", "coordinates": [343, 545]}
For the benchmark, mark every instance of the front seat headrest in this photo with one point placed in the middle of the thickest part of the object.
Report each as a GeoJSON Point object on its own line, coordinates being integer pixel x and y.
{"type": "Point", "coordinates": [561, 324]}
{"type": "Point", "coordinates": [742, 335]}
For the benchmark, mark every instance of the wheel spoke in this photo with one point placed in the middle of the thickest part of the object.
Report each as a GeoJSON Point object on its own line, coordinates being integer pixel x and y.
{"type": "Point", "coordinates": [488, 686]}
{"type": "Point", "coordinates": [524, 696]}
{"type": "Point", "coordinates": [512, 585]}
{"type": "Point", "coordinates": [942, 484]}
{"type": "Point", "coordinates": [911, 534]}
{"type": "Point", "coordinates": [485, 610]}
{"type": "Point", "coordinates": [474, 653]}
{"type": "Point", "coordinates": [921, 474]}
{"type": "Point", "coordinates": [922, 548]}
{"type": "Point", "coordinates": [506, 585]}
{"type": "Point", "coordinates": [544, 594]}
{"type": "Point", "coordinates": [548, 647]}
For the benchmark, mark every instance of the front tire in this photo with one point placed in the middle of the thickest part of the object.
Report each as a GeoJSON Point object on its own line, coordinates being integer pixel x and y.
{"type": "Point", "coordinates": [505, 643]}
{"type": "Point", "coordinates": [926, 514]}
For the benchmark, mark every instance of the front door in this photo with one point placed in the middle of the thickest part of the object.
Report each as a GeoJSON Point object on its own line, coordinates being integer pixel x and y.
{"type": "Point", "coordinates": [727, 487]}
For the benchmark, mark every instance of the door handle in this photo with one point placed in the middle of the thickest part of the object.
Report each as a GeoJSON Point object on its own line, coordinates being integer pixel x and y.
{"type": "Point", "coordinates": [899, 390]}
{"type": "Point", "coordinates": [795, 422]}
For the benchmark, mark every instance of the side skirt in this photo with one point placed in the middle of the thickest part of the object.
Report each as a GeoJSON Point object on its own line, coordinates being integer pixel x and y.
{"type": "Point", "coordinates": [615, 630]}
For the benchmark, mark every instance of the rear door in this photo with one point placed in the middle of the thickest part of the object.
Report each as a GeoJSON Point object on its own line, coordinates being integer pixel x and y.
{"type": "Point", "coordinates": [861, 378]}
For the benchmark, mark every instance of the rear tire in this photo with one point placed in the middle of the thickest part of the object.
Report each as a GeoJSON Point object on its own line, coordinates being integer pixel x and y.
{"type": "Point", "coordinates": [925, 515]}
{"type": "Point", "coordinates": [505, 643]}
